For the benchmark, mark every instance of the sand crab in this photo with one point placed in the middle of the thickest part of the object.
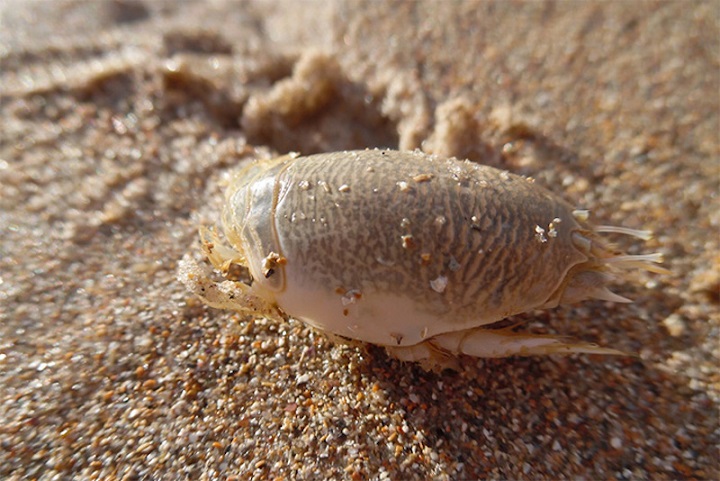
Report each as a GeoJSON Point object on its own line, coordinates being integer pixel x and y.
{"type": "Point", "coordinates": [409, 251]}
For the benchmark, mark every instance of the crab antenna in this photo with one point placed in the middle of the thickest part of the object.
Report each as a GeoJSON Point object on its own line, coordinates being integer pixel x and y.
{"type": "Point", "coordinates": [640, 234]}
{"type": "Point", "coordinates": [641, 261]}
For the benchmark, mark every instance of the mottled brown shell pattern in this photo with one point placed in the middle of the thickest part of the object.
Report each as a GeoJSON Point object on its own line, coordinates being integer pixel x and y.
{"type": "Point", "coordinates": [404, 222]}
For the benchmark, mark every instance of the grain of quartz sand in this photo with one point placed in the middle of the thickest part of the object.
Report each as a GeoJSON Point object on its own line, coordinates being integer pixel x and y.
{"type": "Point", "coordinates": [119, 122]}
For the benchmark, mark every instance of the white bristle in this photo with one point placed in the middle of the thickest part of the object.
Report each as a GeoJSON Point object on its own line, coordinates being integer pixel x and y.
{"type": "Point", "coordinates": [640, 234]}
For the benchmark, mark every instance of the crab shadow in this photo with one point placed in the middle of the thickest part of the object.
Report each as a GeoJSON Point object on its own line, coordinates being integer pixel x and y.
{"type": "Point", "coordinates": [509, 413]}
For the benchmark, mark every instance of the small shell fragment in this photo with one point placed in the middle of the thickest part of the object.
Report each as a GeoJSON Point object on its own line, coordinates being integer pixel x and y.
{"type": "Point", "coordinates": [552, 232]}
{"type": "Point", "coordinates": [408, 241]}
{"type": "Point", "coordinates": [423, 178]}
{"type": "Point", "coordinates": [324, 186]}
{"type": "Point", "coordinates": [540, 234]}
{"type": "Point", "coordinates": [581, 215]}
{"type": "Point", "coordinates": [439, 284]}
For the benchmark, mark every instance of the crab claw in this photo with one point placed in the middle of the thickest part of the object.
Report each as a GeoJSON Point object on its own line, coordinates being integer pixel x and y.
{"type": "Point", "coordinates": [219, 255]}
{"type": "Point", "coordinates": [506, 342]}
{"type": "Point", "coordinates": [222, 295]}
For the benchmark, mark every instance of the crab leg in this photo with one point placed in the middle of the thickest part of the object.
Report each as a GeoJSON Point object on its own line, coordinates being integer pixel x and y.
{"type": "Point", "coordinates": [505, 343]}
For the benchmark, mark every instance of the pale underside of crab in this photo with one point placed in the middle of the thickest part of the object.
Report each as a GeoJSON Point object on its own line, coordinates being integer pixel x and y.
{"type": "Point", "coordinates": [411, 252]}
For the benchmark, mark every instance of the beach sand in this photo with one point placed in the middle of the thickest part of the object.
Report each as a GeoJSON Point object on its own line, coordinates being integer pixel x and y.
{"type": "Point", "coordinates": [121, 119]}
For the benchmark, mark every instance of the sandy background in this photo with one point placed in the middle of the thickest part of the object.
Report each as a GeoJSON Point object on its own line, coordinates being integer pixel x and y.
{"type": "Point", "coordinates": [119, 121]}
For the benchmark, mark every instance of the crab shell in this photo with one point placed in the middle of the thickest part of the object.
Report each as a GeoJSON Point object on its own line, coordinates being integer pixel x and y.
{"type": "Point", "coordinates": [410, 251]}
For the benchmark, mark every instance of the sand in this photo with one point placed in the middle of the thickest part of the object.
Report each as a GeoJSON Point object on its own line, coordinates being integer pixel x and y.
{"type": "Point", "coordinates": [120, 121]}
